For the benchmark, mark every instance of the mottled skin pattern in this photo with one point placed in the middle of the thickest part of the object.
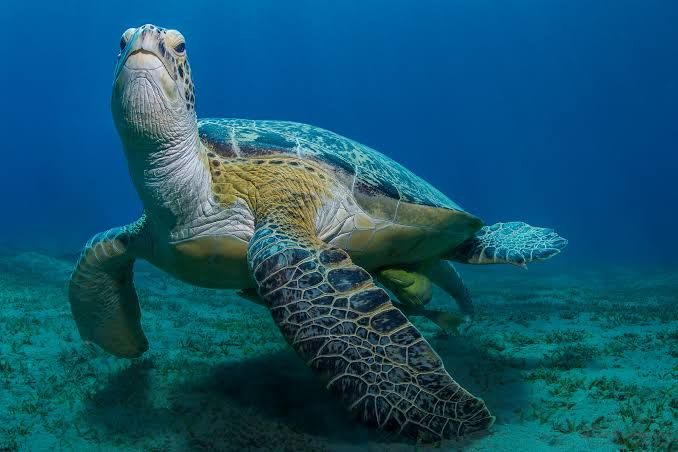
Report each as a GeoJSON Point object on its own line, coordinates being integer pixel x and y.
{"type": "Point", "coordinates": [302, 215]}
{"type": "Point", "coordinates": [514, 243]}
{"type": "Point", "coordinates": [349, 333]}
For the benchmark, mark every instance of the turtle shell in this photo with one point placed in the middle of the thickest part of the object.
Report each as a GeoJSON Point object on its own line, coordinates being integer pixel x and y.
{"type": "Point", "coordinates": [381, 186]}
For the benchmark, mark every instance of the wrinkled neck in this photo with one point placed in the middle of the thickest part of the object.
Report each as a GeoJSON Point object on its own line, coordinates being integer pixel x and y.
{"type": "Point", "coordinates": [167, 170]}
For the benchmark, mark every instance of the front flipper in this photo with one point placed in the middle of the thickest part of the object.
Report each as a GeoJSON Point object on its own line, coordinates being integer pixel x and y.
{"type": "Point", "coordinates": [514, 243]}
{"type": "Point", "coordinates": [349, 333]}
{"type": "Point", "coordinates": [103, 300]}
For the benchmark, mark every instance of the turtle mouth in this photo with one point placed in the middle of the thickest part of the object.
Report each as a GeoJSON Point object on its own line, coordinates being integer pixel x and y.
{"type": "Point", "coordinates": [144, 64]}
{"type": "Point", "coordinates": [139, 60]}
{"type": "Point", "coordinates": [142, 60]}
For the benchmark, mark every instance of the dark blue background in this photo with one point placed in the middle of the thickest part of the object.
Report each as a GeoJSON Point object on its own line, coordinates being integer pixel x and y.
{"type": "Point", "coordinates": [560, 113]}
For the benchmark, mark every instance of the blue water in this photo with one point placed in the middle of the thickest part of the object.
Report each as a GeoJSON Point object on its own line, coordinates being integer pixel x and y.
{"type": "Point", "coordinates": [562, 113]}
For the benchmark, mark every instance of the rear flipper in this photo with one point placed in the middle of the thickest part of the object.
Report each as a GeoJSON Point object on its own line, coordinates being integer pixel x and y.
{"type": "Point", "coordinates": [443, 274]}
{"type": "Point", "coordinates": [514, 243]}
{"type": "Point", "coordinates": [413, 289]}
{"type": "Point", "coordinates": [446, 321]}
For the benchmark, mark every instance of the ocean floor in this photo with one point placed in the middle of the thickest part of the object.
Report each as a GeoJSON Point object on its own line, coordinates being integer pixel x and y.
{"type": "Point", "coordinates": [568, 359]}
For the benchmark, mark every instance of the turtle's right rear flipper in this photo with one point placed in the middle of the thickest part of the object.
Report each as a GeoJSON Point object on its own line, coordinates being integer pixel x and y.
{"type": "Point", "coordinates": [446, 321]}
{"type": "Point", "coordinates": [514, 243]}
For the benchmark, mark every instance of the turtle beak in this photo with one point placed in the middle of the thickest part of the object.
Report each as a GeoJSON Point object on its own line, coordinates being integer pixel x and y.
{"type": "Point", "coordinates": [122, 58]}
{"type": "Point", "coordinates": [142, 58]}
{"type": "Point", "coordinates": [144, 42]}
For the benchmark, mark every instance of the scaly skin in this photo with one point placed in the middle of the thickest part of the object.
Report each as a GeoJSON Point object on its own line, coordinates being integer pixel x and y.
{"type": "Point", "coordinates": [352, 336]}
{"type": "Point", "coordinates": [235, 211]}
{"type": "Point", "coordinates": [514, 243]}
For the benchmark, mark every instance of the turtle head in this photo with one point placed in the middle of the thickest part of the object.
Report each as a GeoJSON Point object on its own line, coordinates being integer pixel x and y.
{"type": "Point", "coordinates": [153, 101]}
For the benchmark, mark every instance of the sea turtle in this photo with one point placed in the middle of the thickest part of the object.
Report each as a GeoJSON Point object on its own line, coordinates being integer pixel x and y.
{"type": "Point", "coordinates": [304, 216]}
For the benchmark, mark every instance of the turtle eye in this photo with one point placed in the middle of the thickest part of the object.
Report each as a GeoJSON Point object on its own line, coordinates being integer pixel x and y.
{"type": "Point", "coordinates": [126, 36]}
{"type": "Point", "coordinates": [180, 48]}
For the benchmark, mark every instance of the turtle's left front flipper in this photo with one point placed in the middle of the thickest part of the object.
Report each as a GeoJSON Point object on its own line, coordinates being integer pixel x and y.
{"type": "Point", "coordinates": [352, 336]}
{"type": "Point", "coordinates": [103, 299]}
{"type": "Point", "coordinates": [514, 243]}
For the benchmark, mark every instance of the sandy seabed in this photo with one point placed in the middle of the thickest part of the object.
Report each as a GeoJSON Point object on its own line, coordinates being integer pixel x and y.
{"type": "Point", "coordinates": [567, 359]}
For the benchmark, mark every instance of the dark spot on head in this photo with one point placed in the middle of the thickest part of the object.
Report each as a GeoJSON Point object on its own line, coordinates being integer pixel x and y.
{"type": "Point", "coordinates": [276, 162]}
{"type": "Point", "coordinates": [217, 173]}
{"type": "Point", "coordinates": [215, 162]}
{"type": "Point", "coordinates": [293, 163]}
{"type": "Point", "coordinates": [211, 154]}
{"type": "Point", "coordinates": [181, 72]}
{"type": "Point", "coordinates": [259, 162]}
{"type": "Point", "coordinates": [309, 168]}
